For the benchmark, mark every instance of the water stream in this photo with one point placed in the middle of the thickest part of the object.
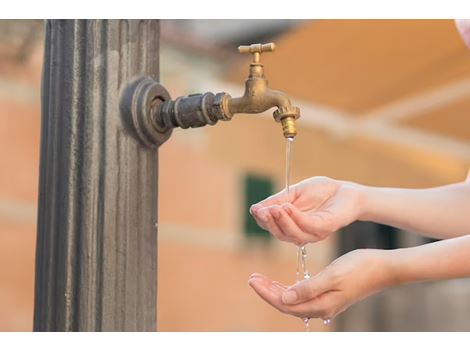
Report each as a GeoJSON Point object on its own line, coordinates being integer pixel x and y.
{"type": "Point", "coordinates": [302, 271]}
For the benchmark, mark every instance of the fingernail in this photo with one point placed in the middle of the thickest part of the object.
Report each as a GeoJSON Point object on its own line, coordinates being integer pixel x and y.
{"type": "Point", "coordinates": [289, 297]}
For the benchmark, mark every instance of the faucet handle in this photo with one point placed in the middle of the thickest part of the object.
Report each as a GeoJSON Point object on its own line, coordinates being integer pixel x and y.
{"type": "Point", "coordinates": [256, 50]}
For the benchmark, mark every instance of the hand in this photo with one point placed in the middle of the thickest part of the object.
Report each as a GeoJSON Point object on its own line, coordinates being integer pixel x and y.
{"type": "Point", "coordinates": [344, 282]}
{"type": "Point", "coordinates": [463, 26]}
{"type": "Point", "coordinates": [314, 209]}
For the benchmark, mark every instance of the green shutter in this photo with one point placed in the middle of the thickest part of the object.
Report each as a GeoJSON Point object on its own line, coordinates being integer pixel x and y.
{"type": "Point", "coordinates": [256, 188]}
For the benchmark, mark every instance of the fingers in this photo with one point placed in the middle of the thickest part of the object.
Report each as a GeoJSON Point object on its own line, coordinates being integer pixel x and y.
{"type": "Point", "coordinates": [288, 227]}
{"type": "Point", "coordinates": [278, 198]}
{"type": "Point", "coordinates": [265, 220]}
{"type": "Point", "coordinates": [307, 290]}
{"type": "Point", "coordinates": [269, 292]}
{"type": "Point", "coordinates": [315, 225]}
{"type": "Point", "coordinates": [463, 27]}
{"type": "Point", "coordinates": [288, 223]}
{"type": "Point", "coordinates": [275, 199]}
{"type": "Point", "coordinates": [299, 227]}
{"type": "Point", "coordinates": [273, 292]}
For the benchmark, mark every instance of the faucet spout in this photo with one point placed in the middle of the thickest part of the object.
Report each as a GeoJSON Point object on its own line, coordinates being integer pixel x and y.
{"type": "Point", "coordinates": [258, 98]}
{"type": "Point", "coordinates": [258, 103]}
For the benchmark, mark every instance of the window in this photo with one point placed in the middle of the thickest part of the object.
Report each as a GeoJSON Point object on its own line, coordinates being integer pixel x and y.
{"type": "Point", "coordinates": [256, 188]}
{"type": "Point", "coordinates": [367, 235]}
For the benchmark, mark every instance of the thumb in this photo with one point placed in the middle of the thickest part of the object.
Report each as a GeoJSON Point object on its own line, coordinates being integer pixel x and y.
{"type": "Point", "coordinates": [307, 289]}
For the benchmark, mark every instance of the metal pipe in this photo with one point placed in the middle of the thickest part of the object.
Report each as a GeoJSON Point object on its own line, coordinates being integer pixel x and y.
{"type": "Point", "coordinates": [96, 258]}
{"type": "Point", "coordinates": [195, 110]}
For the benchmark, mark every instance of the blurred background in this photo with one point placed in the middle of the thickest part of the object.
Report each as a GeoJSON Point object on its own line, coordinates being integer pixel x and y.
{"type": "Point", "coordinates": [383, 102]}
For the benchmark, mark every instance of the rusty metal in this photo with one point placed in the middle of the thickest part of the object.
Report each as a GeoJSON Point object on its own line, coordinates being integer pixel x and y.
{"type": "Point", "coordinates": [96, 258]}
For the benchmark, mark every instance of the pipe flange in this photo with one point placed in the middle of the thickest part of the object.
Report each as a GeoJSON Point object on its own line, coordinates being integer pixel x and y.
{"type": "Point", "coordinates": [286, 111]}
{"type": "Point", "coordinates": [138, 104]}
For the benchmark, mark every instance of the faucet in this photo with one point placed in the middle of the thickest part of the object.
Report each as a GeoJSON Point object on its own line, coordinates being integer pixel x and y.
{"type": "Point", "coordinates": [153, 114]}
{"type": "Point", "coordinates": [259, 98]}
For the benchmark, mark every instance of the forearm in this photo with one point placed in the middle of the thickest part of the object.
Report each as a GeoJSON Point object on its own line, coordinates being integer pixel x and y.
{"type": "Point", "coordinates": [447, 259]}
{"type": "Point", "coordinates": [441, 212]}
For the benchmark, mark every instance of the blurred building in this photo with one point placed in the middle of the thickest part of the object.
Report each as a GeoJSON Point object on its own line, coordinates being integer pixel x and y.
{"type": "Point", "coordinates": [383, 103]}
{"type": "Point", "coordinates": [20, 74]}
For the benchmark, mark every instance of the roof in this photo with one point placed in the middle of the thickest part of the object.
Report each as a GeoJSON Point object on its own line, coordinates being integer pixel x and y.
{"type": "Point", "coordinates": [366, 68]}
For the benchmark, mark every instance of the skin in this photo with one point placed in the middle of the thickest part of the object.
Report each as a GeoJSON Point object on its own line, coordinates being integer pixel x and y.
{"type": "Point", "coordinates": [319, 206]}
{"type": "Point", "coordinates": [363, 272]}
{"type": "Point", "coordinates": [463, 26]}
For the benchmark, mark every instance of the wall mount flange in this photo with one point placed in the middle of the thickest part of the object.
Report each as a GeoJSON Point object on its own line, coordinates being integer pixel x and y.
{"type": "Point", "coordinates": [139, 102]}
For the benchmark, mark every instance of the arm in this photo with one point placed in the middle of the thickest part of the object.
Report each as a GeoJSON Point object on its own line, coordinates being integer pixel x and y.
{"type": "Point", "coordinates": [448, 259]}
{"type": "Point", "coordinates": [440, 212]}
{"type": "Point", "coordinates": [319, 206]}
{"type": "Point", "coordinates": [363, 272]}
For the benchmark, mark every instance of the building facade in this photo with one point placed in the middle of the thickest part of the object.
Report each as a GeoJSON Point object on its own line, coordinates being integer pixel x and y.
{"type": "Point", "coordinates": [382, 102]}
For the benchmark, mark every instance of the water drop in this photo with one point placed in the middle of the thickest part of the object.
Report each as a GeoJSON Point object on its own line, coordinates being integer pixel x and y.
{"type": "Point", "coordinates": [307, 324]}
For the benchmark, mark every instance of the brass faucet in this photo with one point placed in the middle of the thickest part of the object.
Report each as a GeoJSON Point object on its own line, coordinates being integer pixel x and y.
{"type": "Point", "coordinates": [259, 98]}
{"type": "Point", "coordinates": [153, 114]}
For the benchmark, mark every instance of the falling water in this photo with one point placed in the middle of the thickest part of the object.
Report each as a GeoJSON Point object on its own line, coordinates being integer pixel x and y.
{"type": "Point", "coordinates": [302, 271]}
{"type": "Point", "coordinates": [289, 141]}
{"type": "Point", "coordinates": [302, 274]}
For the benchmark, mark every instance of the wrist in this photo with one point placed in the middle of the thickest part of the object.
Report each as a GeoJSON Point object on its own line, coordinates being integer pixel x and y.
{"type": "Point", "coordinates": [379, 269]}
{"type": "Point", "coordinates": [367, 202]}
{"type": "Point", "coordinates": [393, 273]}
{"type": "Point", "coordinates": [361, 195]}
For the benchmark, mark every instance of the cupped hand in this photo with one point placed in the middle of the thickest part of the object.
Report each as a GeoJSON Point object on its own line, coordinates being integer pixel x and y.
{"type": "Point", "coordinates": [344, 282]}
{"type": "Point", "coordinates": [314, 209]}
